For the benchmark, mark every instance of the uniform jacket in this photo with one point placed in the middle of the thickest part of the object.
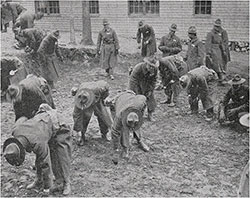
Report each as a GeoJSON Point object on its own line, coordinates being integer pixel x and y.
{"type": "Point", "coordinates": [202, 85]}
{"type": "Point", "coordinates": [32, 97]}
{"type": "Point", "coordinates": [82, 117]}
{"type": "Point", "coordinates": [40, 131]}
{"type": "Point", "coordinates": [140, 80]}
{"type": "Point", "coordinates": [120, 104]}
{"type": "Point", "coordinates": [147, 34]}
{"type": "Point", "coordinates": [110, 46]}
{"type": "Point", "coordinates": [240, 97]}
{"type": "Point", "coordinates": [171, 69]}
{"type": "Point", "coordinates": [48, 65]}
{"type": "Point", "coordinates": [25, 20]}
{"type": "Point", "coordinates": [16, 10]}
{"type": "Point", "coordinates": [217, 47]}
{"type": "Point", "coordinates": [195, 54]}
{"type": "Point", "coordinates": [33, 37]}
{"type": "Point", "coordinates": [170, 45]}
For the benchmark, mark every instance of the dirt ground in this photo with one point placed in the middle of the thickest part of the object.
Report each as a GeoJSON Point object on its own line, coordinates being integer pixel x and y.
{"type": "Point", "coordinates": [188, 158]}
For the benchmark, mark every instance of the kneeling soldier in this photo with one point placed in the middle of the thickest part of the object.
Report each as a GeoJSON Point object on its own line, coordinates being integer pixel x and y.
{"type": "Point", "coordinates": [199, 85]}
{"type": "Point", "coordinates": [89, 98]}
{"type": "Point", "coordinates": [127, 111]}
{"type": "Point", "coordinates": [171, 69]}
{"type": "Point", "coordinates": [235, 102]}
{"type": "Point", "coordinates": [50, 139]}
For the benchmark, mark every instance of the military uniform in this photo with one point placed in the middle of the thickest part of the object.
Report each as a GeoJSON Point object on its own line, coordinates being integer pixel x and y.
{"type": "Point", "coordinates": [50, 139]}
{"type": "Point", "coordinates": [82, 116]}
{"type": "Point", "coordinates": [195, 54]}
{"type": "Point", "coordinates": [148, 35]}
{"type": "Point", "coordinates": [108, 43]}
{"type": "Point", "coordinates": [33, 38]}
{"type": "Point", "coordinates": [171, 69]}
{"type": "Point", "coordinates": [170, 45]}
{"type": "Point", "coordinates": [48, 65]}
{"type": "Point", "coordinates": [16, 10]}
{"type": "Point", "coordinates": [235, 100]}
{"type": "Point", "coordinates": [217, 47]}
{"type": "Point", "coordinates": [201, 87]}
{"type": "Point", "coordinates": [33, 94]}
{"type": "Point", "coordinates": [25, 20]}
{"type": "Point", "coordinates": [142, 82]}
{"type": "Point", "coordinates": [121, 103]}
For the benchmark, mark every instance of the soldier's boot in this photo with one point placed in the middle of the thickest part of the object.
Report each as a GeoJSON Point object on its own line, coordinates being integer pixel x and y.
{"type": "Point", "coordinates": [35, 184]}
{"type": "Point", "coordinates": [56, 187]}
{"type": "Point", "coordinates": [194, 105]}
{"type": "Point", "coordinates": [221, 80]}
{"type": "Point", "coordinates": [106, 136]}
{"type": "Point", "coordinates": [66, 188]}
{"type": "Point", "coordinates": [209, 114]}
{"type": "Point", "coordinates": [125, 153]}
{"type": "Point", "coordinates": [81, 140]}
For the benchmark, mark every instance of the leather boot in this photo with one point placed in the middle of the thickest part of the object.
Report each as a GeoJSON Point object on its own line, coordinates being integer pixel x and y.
{"type": "Point", "coordinates": [67, 188]}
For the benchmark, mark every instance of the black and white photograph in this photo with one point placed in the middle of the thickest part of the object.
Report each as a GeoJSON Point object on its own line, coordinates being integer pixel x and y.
{"type": "Point", "coordinates": [124, 98]}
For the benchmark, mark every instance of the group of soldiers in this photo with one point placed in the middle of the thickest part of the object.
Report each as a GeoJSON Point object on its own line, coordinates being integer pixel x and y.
{"type": "Point", "coordinates": [40, 129]}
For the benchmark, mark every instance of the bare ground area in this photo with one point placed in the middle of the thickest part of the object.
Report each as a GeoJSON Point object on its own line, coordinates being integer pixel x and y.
{"type": "Point", "coordinates": [188, 156]}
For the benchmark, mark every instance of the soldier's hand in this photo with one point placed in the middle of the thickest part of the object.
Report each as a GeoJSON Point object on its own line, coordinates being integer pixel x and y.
{"type": "Point", "coordinates": [139, 46]}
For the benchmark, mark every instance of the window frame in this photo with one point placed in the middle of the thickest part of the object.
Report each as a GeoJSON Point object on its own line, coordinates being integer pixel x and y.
{"type": "Point", "coordinates": [144, 12]}
{"type": "Point", "coordinates": [200, 15]}
{"type": "Point", "coordinates": [48, 7]}
{"type": "Point", "coordinates": [98, 4]}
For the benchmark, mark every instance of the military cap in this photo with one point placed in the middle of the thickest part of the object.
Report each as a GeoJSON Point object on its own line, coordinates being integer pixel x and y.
{"type": "Point", "coordinates": [237, 80]}
{"type": "Point", "coordinates": [217, 23]}
{"type": "Point", "coordinates": [173, 27]}
{"type": "Point", "coordinates": [192, 30]}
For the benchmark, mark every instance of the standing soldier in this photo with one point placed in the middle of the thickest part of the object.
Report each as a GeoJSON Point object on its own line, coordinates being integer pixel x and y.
{"type": "Point", "coordinates": [127, 110]}
{"type": "Point", "coordinates": [170, 44]}
{"type": "Point", "coordinates": [217, 50]}
{"type": "Point", "coordinates": [199, 85]}
{"type": "Point", "coordinates": [49, 138]}
{"type": "Point", "coordinates": [48, 65]}
{"type": "Point", "coordinates": [148, 46]}
{"type": "Point", "coordinates": [196, 51]}
{"type": "Point", "coordinates": [28, 95]}
{"type": "Point", "coordinates": [107, 38]}
{"type": "Point", "coordinates": [142, 81]}
{"type": "Point", "coordinates": [235, 102]}
{"type": "Point", "coordinates": [171, 69]}
{"type": "Point", "coordinates": [89, 98]}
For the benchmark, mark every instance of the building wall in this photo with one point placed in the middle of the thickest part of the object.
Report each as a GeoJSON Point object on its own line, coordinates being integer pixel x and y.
{"type": "Point", "coordinates": [234, 15]}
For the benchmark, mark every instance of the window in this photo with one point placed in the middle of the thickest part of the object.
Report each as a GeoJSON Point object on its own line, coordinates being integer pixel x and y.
{"type": "Point", "coordinates": [48, 7]}
{"type": "Point", "coordinates": [144, 7]}
{"type": "Point", "coordinates": [202, 7]}
{"type": "Point", "coordinates": [94, 7]}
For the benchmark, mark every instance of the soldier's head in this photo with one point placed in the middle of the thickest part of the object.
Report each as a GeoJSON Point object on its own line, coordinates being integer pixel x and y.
{"type": "Point", "coordinates": [152, 64]}
{"type": "Point", "coordinates": [236, 82]}
{"type": "Point", "coordinates": [185, 81]}
{"type": "Point", "coordinates": [13, 93]}
{"type": "Point", "coordinates": [192, 32]}
{"type": "Point", "coordinates": [105, 24]}
{"type": "Point", "coordinates": [141, 24]}
{"type": "Point", "coordinates": [132, 118]}
{"type": "Point", "coordinates": [217, 24]}
{"type": "Point", "coordinates": [13, 151]}
{"type": "Point", "coordinates": [173, 29]}
{"type": "Point", "coordinates": [56, 34]}
{"type": "Point", "coordinates": [84, 98]}
{"type": "Point", "coordinates": [39, 15]}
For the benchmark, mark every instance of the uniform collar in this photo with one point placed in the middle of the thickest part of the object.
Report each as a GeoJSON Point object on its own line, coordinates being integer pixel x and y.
{"type": "Point", "coordinates": [193, 40]}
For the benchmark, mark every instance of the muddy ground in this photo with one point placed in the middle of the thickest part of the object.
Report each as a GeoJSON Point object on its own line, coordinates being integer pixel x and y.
{"type": "Point", "coordinates": [188, 156]}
